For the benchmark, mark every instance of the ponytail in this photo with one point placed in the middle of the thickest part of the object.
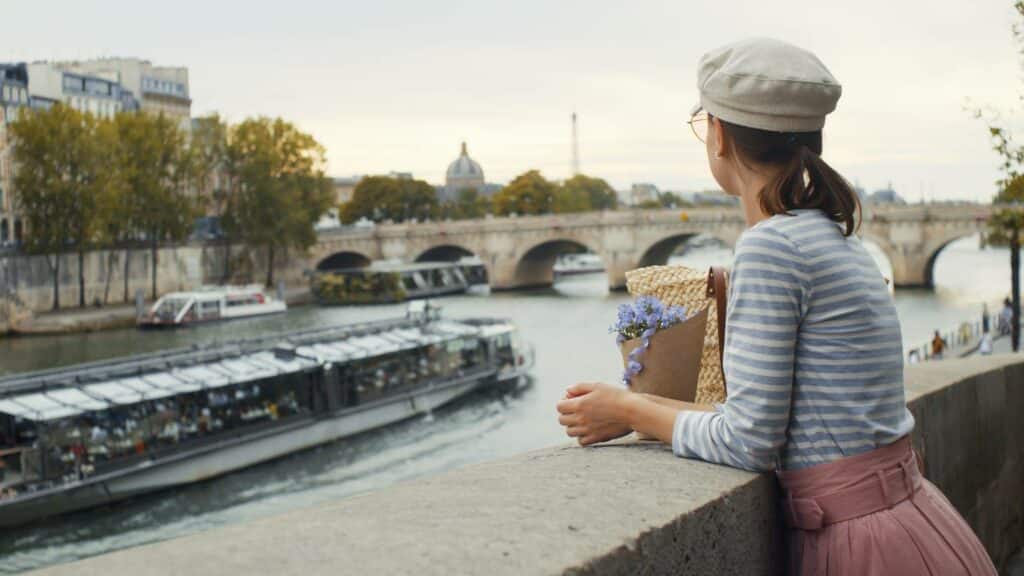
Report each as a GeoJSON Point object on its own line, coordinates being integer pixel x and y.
{"type": "Point", "coordinates": [804, 181]}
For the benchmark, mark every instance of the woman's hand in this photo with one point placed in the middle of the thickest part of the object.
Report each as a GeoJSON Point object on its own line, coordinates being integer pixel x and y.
{"type": "Point", "coordinates": [594, 413]}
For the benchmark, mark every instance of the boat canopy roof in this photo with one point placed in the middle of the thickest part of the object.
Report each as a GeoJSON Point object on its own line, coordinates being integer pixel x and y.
{"type": "Point", "coordinates": [216, 292]}
{"type": "Point", "coordinates": [400, 267]}
{"type": "Point", "coordinates": [63, 393]}
{"type": "Point", "coordinates": [57, 403]}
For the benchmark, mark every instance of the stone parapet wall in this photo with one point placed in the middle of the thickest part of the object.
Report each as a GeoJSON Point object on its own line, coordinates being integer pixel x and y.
{"type": "Point", "coordinates": [613, 509]}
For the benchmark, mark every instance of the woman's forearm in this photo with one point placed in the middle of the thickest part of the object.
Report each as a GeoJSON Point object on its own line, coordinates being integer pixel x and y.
{"type": "Point", "coordinates": [679, 404]}
{"type": "Point", "coordinates": [655, 416]}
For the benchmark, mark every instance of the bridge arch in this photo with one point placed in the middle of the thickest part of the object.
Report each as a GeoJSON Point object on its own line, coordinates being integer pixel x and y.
{"type": "Point", "coordinates": [933, 250]}
{"type": "Point", "coordinates": [535, 265]}
{"type": "Point", "coordinates": [344, 259]}
{"type": "Point", "coordinates": [444, 253]}
{"type": "Point", "coordinates": [658, 253]}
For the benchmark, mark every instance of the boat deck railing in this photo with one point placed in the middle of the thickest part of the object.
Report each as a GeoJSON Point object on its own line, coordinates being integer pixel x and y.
{"type": "Point", "coordinates": [187, 356]}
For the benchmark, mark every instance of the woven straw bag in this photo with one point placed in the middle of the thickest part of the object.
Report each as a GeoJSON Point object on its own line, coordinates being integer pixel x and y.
{"type": "Point", "coordinates": [697, 291]}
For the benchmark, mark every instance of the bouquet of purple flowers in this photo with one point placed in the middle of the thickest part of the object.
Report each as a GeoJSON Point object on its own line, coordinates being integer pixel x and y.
{"type": "Point", "coordinates": [661, 347]}
{"type": "Point", "coordinates": [641, 319]}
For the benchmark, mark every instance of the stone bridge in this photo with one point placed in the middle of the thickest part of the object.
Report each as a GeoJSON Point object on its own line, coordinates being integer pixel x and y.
{"type": "Point", "coordinates": [519, 252]}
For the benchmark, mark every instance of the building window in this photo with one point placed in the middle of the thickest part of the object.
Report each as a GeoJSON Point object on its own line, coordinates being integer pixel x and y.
{"type": "Point", "coordinates": [18, 231]}
{"type": "Point", "coordinates": [5, 234]}
{"type": "Point", "coordinates": [74, 83]}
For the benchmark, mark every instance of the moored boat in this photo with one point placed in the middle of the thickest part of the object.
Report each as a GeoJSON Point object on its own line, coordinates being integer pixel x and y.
{"type": "Point", "coordinates": [83, 436]}
{"type": "Point", "coordinates": [395, 282]}
{"type": "Point", "coordinates": [573, 264]}
{"type": "Point", "coordinates": [210, 304]}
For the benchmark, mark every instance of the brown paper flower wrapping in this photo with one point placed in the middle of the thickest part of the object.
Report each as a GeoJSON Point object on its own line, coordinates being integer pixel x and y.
{"type": "Point", "coordinates": [682, 286]}
{"type": "Point", "coordinates": [671, 361]}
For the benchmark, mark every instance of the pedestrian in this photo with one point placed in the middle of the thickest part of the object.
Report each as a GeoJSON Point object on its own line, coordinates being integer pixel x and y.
{"type": "Point", "coordinates": [985, 345]}
{"type": "Point", "coordinates": [762, 108]}
{"type": "Point", "coordinates": [938, 346]}
{"type": "Point", "coordinates": [1005, 318]}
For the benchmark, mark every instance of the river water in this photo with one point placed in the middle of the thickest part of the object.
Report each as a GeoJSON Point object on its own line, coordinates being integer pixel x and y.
{"type": "Point", "coordinates": [568, 327]}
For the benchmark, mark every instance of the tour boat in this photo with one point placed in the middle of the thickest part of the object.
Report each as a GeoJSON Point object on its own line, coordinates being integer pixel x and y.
{"type": "Point", "coordinates": [572, 264]}
{"type": "Point", "coordinates": [210, 304]}
{"type": "Point", "coordinates": [84, 436]}
{"type": "Point", "coordinates": [383, 283]}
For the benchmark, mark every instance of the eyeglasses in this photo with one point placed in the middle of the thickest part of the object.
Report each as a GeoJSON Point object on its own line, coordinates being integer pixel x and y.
{"type": "Point", "coordinates": [699, 124]}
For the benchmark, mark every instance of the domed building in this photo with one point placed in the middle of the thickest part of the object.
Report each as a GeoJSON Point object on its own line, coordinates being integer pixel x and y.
{"type": "Point", "coordinates": [463, 173]}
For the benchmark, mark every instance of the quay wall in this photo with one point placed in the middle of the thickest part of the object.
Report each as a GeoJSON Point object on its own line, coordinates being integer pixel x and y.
{"type": "Point", "coordinates": [623, 508]}
{"type": "Point", "coordinates": [27, 281]}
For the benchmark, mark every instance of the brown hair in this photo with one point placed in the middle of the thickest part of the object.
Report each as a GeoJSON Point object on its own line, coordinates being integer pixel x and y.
{"type": "Point", "coordinates": [797, 153]}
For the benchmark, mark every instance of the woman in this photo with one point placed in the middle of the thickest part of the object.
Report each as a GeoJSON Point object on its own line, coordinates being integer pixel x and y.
{"type": "Point", "coordinates": [813, 352]}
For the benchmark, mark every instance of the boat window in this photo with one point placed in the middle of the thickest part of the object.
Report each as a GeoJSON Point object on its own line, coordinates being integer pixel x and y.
{"type": "Point", "coordinates": [209, 309]}
{"type": "Point", "coordinates": [244, 300]}
{"type": "Point", "coordinates": [169, 308]}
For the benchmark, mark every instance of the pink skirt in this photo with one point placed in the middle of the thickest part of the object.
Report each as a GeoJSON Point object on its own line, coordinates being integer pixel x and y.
{"type": "Point", "coordinates": [874, 513]}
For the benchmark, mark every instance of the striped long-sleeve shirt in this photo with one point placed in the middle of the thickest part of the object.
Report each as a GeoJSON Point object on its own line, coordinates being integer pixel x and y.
{"type": "Point", "coordinates": [813, 353]}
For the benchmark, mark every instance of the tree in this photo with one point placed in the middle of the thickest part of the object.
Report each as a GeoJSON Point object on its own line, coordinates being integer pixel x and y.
{"type": "Point", "coordinates": [212, 174]}
{"type": "Point", "coordinates": [1008, 218]}
{"type": "Point", "coordinates": [419, 199]}
{"type": "Point", "coordinates": [380, 198]}
{"type": "Point", "coordinates": [672, 200]}
{"type": "Point", "coordinates": [599, 195]}
{"type": "Point", "coordinates": [468, 204]}
{"type": "Point", "coordinates": [154, 166]}
{"type": "Point", "coordinates": [282, 190]}
{"type": "Point", "coordinates": [60, 182]}
{"type": "Point", "coordinates": [1005, 229]}
{"type": "Point", "coordinates": [528, 193]}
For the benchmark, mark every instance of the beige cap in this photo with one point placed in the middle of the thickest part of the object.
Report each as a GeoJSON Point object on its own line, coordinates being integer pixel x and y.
{"type": "Point", "coordinates": [767, 84]}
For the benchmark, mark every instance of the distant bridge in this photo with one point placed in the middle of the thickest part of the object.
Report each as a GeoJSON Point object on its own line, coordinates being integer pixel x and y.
{"type": "Point", "coordinates": [519, 252]}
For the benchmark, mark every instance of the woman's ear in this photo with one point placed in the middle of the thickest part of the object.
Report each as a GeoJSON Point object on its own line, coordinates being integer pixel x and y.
{"type": "Point", "coordinates": [719, 144]}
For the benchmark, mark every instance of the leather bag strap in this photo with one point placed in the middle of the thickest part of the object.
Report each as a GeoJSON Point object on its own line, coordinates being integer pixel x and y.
{"type": "Point", "coordinates": [717, 289]}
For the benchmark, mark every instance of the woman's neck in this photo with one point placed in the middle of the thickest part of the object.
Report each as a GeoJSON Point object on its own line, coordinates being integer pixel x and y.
{"type": "Point", "coordinates": [750, 185]}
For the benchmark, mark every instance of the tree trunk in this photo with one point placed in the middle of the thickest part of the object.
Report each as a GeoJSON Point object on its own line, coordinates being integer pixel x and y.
{"type": "Point", "coordinates": [127, 268]}
{"type": "Point", "coordinates": [1015, 275]}
{"type": "Point", "coordinates": [56, 280]}
{"type": "Point", "coordinates": [81, 278]}
{"type": "Point", "coordinates": [155, 249]}
{"type": "Point", "coordinates": [111, 262]}
{"type": "Point", "coordinates": [270, 265]}
{"type": "Point", "coordinates": [227, 262]}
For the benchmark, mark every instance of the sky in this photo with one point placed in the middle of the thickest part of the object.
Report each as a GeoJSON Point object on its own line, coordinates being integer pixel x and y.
{"type": "Point", "coordinates": [395, 85]}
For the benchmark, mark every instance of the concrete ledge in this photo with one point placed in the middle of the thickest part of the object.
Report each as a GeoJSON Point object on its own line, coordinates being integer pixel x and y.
{"type": "Point", "coordinates": [617, 509]}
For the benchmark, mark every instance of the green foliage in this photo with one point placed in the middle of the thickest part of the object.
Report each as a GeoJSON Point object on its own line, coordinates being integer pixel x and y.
{"type": "Point", "coordinates": [209, 163]}
{"type": "Point", "coordinates": [380, 198]}
{"type": "Point", "coordinates": [153, 168]}
{"type": "Point", "coordinates": [672, 200]}
{"type": "Point", "coordinates": [468, 204]}
{"type": "Point", "coordinates": [1006, 222]}
{"type": "Point", "coordinates": [62, 176]}
{"type": "Point", "coordinates": [365, 288]}
{"type": "Point", "coordinates": [1007, 219]}
{"type": "Point", "coordinates": [528, 193]}
{"type": "Point", "coordinates": [282, 190]}
{"type": "Point", "coordinates": [597, 193]}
